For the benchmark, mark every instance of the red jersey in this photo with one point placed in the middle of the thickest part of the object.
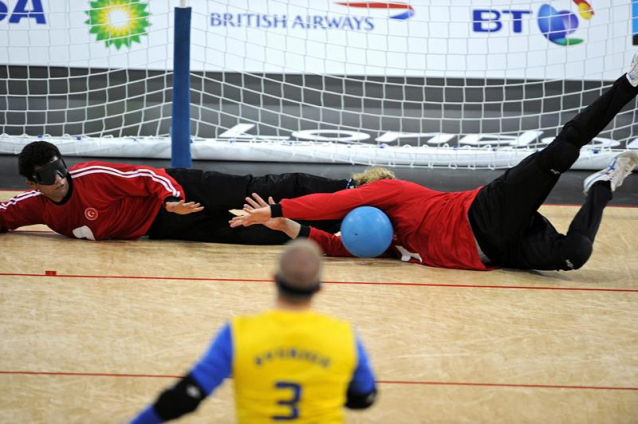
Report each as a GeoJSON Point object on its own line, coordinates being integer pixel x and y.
{"type": "Point", "coordinates": [430, 227]}
{"type": "Point", "coordinates": [106, 201]}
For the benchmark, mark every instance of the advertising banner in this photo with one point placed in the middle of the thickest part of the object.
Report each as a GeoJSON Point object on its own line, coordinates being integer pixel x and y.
{"type": "Point", "coordinates": [562, 39]}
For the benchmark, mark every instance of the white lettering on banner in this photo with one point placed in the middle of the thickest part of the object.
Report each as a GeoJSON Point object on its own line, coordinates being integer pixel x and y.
{"type": "Point", "coordinates": [337, 135]}
{"type": "Point", "coordinates": [22, 11]}
{"type": "Point", "coordinates": [434, 138]}
{"type": "Point", "coordinates": [84, 233]}
{"type": "Point", "coordinates": [488, 139]}
{"type": "Point", "coordinates": [521, 140]}
{"type": "Point", "coordinates": [597, 142]}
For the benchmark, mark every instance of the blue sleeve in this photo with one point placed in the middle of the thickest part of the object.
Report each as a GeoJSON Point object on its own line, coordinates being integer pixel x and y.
{"type": "Point", "coordinates": [363, 378]}
{"type": "Point", "coordinates": [217, 363]}
{"type": "Point", "coordinates": [147, 416]}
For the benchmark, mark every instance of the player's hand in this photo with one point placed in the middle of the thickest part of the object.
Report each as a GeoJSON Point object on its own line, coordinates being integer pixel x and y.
{"type": "Point", "coordinates": [256, 213]}
{"type": "Point", "coordinates": [256, 202]}
{"type": "Point", "coordinates": [183, 208]}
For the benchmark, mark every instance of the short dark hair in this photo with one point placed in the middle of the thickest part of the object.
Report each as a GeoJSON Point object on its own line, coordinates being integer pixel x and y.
{"type": "Point", "coordinates": [37, 153]}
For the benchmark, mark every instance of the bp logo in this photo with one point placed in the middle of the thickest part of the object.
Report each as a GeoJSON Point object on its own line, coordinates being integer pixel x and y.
{"type": "Point", "coordinates": [118, 22]}
{"type": "Point", "coordinates": [558, 25]}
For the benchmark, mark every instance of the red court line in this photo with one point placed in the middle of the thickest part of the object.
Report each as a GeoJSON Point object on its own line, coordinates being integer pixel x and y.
{"type": "Point", "coordinates": [524, 386]}
{"type": "Point", "coordinates": [398, 382]}
{"type": "Point", "coordinates": [34, 231]}
{"type": "Point", "coordinates": [54, 274]}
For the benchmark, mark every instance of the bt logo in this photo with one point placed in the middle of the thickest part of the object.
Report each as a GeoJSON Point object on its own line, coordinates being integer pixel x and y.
{"type": "Point", "coordinates": [555, 25]}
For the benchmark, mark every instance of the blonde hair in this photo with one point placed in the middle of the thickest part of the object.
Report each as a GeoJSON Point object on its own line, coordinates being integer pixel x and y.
{"type": "Point", "coordinates": [373, 174]}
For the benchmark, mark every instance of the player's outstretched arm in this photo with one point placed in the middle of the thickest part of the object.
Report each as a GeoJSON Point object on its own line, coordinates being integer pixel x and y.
{"type": "Point", "coordinates": [285, 225]}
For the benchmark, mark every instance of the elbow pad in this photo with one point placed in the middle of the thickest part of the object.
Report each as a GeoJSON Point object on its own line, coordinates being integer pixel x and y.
{"type": "Point", "coordinates": [180, 399]}
{"type": "Point", "coordinates": [360, 401]}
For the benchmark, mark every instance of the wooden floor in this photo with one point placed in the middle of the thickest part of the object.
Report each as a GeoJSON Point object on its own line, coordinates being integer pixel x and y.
{"type": "Point", "coordinates": [92, 331]}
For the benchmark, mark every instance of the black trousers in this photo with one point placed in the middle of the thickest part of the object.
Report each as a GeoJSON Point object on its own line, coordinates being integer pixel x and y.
{"type": "Point", "coordinates": [219, 192]}
{"type": "Point", "coordinates": [504, 216]}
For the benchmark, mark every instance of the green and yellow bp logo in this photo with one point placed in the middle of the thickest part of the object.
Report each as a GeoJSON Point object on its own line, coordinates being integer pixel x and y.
{"type": "Point", "coordinates": [118, 22]}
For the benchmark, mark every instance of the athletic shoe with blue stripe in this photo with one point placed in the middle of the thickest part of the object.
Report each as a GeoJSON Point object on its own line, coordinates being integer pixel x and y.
{"type": "Point", "coordinates": [616, 172]}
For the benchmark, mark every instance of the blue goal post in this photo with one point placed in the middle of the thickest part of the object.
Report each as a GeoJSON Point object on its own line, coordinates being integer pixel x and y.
{"type": "Point", "coordinates": [181, 116]}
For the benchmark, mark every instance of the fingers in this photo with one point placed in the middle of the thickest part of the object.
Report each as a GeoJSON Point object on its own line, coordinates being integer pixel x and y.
{"type": "Point", "coordinates": [183, 208]}
{"type": "Point", "coordinates": [252, 203]}
{"type": "Point", "coordinates": [261, 201]}
{"type": "Point", "coordinates": [271, 201]}
{"type": "Point", "coordinates": [257, 202]}
{"type": "Point", "coordinates": [240, 221]}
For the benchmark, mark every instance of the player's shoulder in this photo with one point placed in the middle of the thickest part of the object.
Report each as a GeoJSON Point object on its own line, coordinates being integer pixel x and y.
{"type": "Point", "coordinates": [99, 167]}
{"type": "Point", "coordinates": [29, 195]}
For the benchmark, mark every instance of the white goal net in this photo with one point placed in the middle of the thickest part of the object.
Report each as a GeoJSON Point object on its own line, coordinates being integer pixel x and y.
{"type": "Point", "coordinates": [467, 83]}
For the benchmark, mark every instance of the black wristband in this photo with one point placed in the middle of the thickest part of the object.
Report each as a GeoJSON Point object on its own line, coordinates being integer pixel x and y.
{"type": "Point", "coordinates": [276, 211]}
{"type": "Point", "coordinates": [171, 199]}
{"type": "Point", "coordinates": [180, 399]}
{"type": "Point", "coordinates": [360, 401]}
{"type": "Point", "coordinates": [304, 231]}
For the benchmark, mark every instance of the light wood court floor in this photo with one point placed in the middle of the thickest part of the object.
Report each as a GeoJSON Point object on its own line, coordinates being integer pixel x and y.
{"type": "Point", "coordinates": [92, 331]}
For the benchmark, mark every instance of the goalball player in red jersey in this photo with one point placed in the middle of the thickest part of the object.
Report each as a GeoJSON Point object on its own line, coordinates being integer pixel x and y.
{"type": "Point", "coordinates": [497, 225]}
{"type": "Point", "coordinates": [99, 200]}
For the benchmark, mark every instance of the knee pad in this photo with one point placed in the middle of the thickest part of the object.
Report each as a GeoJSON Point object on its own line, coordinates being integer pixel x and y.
{"type": "Point", "coordinates": [576, 251]}
{"type": "Point", "coordinates": [558, 156]}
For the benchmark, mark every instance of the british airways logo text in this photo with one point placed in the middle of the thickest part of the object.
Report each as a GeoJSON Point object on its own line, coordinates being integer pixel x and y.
{"type": "Point", "coordinates": [254, 20]}
{"type": "Point", "coordinates": [375, 10]}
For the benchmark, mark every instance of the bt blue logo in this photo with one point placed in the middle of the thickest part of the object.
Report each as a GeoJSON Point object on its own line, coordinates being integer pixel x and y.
{"type": "Point", "coordinates": [555, 25]}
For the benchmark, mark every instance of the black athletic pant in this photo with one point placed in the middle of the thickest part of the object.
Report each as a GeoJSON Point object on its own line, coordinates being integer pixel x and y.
{"type": "Point", "coordinates": [219, 192]}
{"type": "Point", "coordinates": [504, 215]}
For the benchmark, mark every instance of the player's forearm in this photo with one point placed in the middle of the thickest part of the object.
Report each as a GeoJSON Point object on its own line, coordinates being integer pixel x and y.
{"type": "Point", "coordinates": [291, 228]}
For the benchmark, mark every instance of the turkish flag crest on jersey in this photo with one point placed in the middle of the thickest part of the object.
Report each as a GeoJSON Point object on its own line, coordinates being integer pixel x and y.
{"type": "Point", "coordinates": [90, 214]}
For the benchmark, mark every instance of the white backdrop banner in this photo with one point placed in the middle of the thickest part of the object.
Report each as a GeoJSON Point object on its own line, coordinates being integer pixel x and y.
{"type": "Point", "coordinates": [563, 39]}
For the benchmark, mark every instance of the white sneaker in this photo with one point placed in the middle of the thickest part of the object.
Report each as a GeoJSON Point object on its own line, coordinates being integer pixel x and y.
{"type": "Point", "coordinates": [632, 74]}
{"type": "Point", "coordinates": [616, 172]}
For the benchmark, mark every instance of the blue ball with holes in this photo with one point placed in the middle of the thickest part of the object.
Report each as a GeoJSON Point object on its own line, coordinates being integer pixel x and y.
{"type": "Point", "coordinates": [366, 232]}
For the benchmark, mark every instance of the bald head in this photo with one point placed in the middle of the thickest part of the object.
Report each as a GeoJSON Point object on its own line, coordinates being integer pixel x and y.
{"type": "Point", "coordinates": [300, 268]}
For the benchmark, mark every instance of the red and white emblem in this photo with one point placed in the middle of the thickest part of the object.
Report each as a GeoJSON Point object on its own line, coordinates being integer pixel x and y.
{"type": "Point", "coordinates": [90, 214]}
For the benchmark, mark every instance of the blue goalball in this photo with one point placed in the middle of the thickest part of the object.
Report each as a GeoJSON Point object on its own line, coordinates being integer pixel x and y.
{"type": "Point", "coordinates": [366, 232]}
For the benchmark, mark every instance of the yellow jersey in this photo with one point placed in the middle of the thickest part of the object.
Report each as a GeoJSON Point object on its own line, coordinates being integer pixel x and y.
{"type": "Point", "coordinates": [292, 366]}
